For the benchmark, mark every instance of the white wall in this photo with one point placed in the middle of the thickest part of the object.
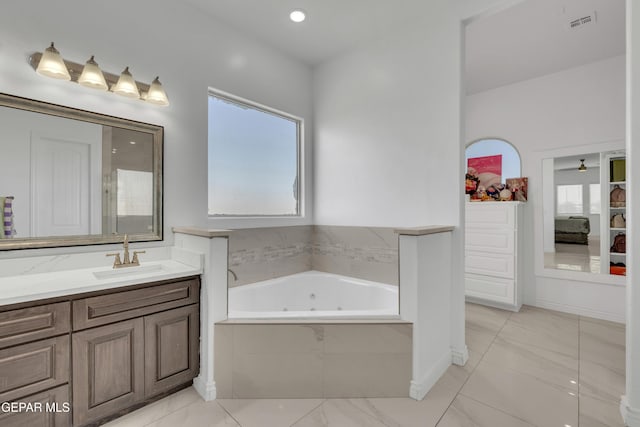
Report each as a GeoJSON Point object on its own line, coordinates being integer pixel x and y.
{"type": "Point", "coordinates": [387, 123]}
{"type": "Point", "coordinates": [572, 108]}
{"type": "Point", "coordinates": [387, 128]}
{"type": "Point", "coordinates": [630, 405]}
{"type": "Point", "coordinates": [187, 49]}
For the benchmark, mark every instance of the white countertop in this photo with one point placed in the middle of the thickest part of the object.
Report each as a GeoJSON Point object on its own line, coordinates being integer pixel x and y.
{"type": "Point", "coordinates": [31, 287]}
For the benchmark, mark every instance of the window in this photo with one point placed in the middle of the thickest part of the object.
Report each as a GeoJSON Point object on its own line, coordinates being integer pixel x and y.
{"type": "Point", "coordinates": [569, 199]}
{"type": "Point", "coordinates": [254, 162]}
{"type": "Point", "coordinates": [594, 199]}
{"type": "Point", "coordinates": [135, 193]}
{"type": "Point", "coordinates": [510, 167]}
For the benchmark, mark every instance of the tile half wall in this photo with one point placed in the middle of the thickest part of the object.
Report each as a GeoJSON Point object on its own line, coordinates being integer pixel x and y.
{"type": "Point", "coordinates": [313, 360]}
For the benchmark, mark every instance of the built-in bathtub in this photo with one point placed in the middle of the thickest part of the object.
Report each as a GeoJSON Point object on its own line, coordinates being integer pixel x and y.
{"type": "Point", "coordinates": [313, 294]}
{"type": "Point", "coordinates": [313, 335]}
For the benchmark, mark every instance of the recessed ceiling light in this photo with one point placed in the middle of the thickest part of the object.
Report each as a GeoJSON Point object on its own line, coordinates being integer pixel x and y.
{"type": "Point", "coordinates": [132, 142]}
{"type": "Point", "coordinates": [297, 15]}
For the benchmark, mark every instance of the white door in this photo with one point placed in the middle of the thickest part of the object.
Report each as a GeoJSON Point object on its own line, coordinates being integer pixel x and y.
{"type": "Point", "coordinates": [60, 186]}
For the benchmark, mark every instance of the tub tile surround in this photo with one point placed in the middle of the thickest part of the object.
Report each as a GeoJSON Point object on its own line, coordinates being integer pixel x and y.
{"type": "Point", "coordinates": [312, 360]}
{"type": "Point", "coordinates": [464, 396]}
{"type": "Point", "coordinates": [257, 254]}
{"type": "Point", "coordinates": [369, 253]}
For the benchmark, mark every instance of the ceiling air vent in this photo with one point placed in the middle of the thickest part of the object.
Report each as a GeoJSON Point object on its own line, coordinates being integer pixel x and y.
{"type": "Point", "coordinates": [581, 21]}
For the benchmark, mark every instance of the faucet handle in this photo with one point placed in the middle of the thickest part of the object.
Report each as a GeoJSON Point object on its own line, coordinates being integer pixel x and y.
{"type": "Point", "coordinates": [135, 259]}
{"type": "Point", "coordinates": [116, 262]}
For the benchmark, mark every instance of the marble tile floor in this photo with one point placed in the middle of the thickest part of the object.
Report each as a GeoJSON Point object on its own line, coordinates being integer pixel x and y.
{"type": "Point", "coordinates": [575, 257]}
{"type": "Point", "coordinates": [532, 368]}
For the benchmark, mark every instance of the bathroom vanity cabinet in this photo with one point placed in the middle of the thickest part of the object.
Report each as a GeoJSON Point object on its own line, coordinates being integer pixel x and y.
{"type": "Point", "coordinates": [493, 255]}
{"type": "Point", "coordinates": [34, 362]}
{"type": "Point", "coordinates": [106, 352]}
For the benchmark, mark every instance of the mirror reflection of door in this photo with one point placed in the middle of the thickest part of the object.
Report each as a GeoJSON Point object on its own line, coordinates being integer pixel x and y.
{"type": "Point", "coordinates": [62, 173]}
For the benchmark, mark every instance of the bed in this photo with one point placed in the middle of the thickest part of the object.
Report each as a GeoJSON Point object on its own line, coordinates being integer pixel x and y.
{"type": "Point", "coordinates": [572, 229]}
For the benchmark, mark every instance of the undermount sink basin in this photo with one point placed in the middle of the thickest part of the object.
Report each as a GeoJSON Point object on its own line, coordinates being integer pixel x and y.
{"type": "Point", "coordinates": [127, 271]}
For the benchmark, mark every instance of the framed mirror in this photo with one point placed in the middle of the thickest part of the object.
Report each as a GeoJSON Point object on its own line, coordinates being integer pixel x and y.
{"type": "Point", "coordinates": [576, 221]}
{"type": "Point", "coordinates": [581, 220]}
{"type": "Point", "coordinates": [72, 177]}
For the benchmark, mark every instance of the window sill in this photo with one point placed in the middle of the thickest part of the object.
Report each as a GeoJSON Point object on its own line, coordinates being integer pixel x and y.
{"type": "Point", "coordinates": [231, 222]}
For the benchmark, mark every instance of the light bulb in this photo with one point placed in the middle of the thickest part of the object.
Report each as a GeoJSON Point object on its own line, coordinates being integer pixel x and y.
{"type": "Point", "coordinates": [156, 94]}
{"type": "Point", "coordinates": [52, 65]}
{"type": "Point", "coordinates": [92, 76]}
{"type": "Point", "coordinates": [297, 16]}
{"type": "Point", "coordinates": [126, 85]}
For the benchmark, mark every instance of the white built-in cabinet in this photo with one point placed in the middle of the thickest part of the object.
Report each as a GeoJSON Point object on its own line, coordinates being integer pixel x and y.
{"type": "Point", "coordinates": [611, 178]}
{"type": "Point", "coordinates": [493, 271]}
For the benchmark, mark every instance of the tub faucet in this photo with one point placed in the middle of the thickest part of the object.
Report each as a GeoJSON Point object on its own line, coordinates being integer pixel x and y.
{"type": "Point", "coordinates": [235, 277]}
{"type": "Point", "coordinates": [126, 262]}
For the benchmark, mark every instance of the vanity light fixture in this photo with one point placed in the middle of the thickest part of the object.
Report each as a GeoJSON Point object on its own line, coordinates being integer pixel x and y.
{"type": "Point", "coordinates": [126, 85]}
{"type": "Point", "coordinates": [92, 76]}
{"type": "Point", "coordinates": [582, 167]}
{"type": "Point", "coordinates": [51, 64]}
{"type": "Point", "coordinates": [156, 94]}
{"type": "Point", "coordinates": [297, 15]}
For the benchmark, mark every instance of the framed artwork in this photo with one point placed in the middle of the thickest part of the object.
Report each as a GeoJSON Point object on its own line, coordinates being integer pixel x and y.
{"type": "Point", "coordinates": [487, 169]}
{"type": "Point", "coordinates": [518, 187]}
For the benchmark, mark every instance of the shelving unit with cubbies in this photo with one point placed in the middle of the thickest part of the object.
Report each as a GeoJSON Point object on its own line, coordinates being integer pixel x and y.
{"type": "Point", "coordinates": [613, 172]}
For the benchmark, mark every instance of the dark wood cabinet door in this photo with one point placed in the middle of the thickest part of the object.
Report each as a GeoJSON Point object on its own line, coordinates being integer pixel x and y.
{"type": "Point", "coordinates": [47, 409]}
{"type": "Point", "coordinates": [172, 348]}
{"type": "Point", "coordinates": [108, 370]}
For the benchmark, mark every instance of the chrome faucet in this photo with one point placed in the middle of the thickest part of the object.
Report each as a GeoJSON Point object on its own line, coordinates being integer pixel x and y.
{"type": "Point", "coordinates": [126, 262]}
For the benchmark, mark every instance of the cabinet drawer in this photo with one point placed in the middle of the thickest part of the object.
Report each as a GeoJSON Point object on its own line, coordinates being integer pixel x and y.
{"type": "Point", "coordinates": [55, 412]}
{"type": "Point", "coordinates": [33, 323]}
{"type": "Point", "coordinates": [490, 215]}
{"type": "Point", "coordinates": [103, 309]}
{"type": "Point", "coordinates": [490, 264]}
{"type": "Point", "coordinates": [500, 241]}
{"type": "Point", "coordinates": [490, 288]}
{"type": "Point", "coordinates": [30, 368]}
